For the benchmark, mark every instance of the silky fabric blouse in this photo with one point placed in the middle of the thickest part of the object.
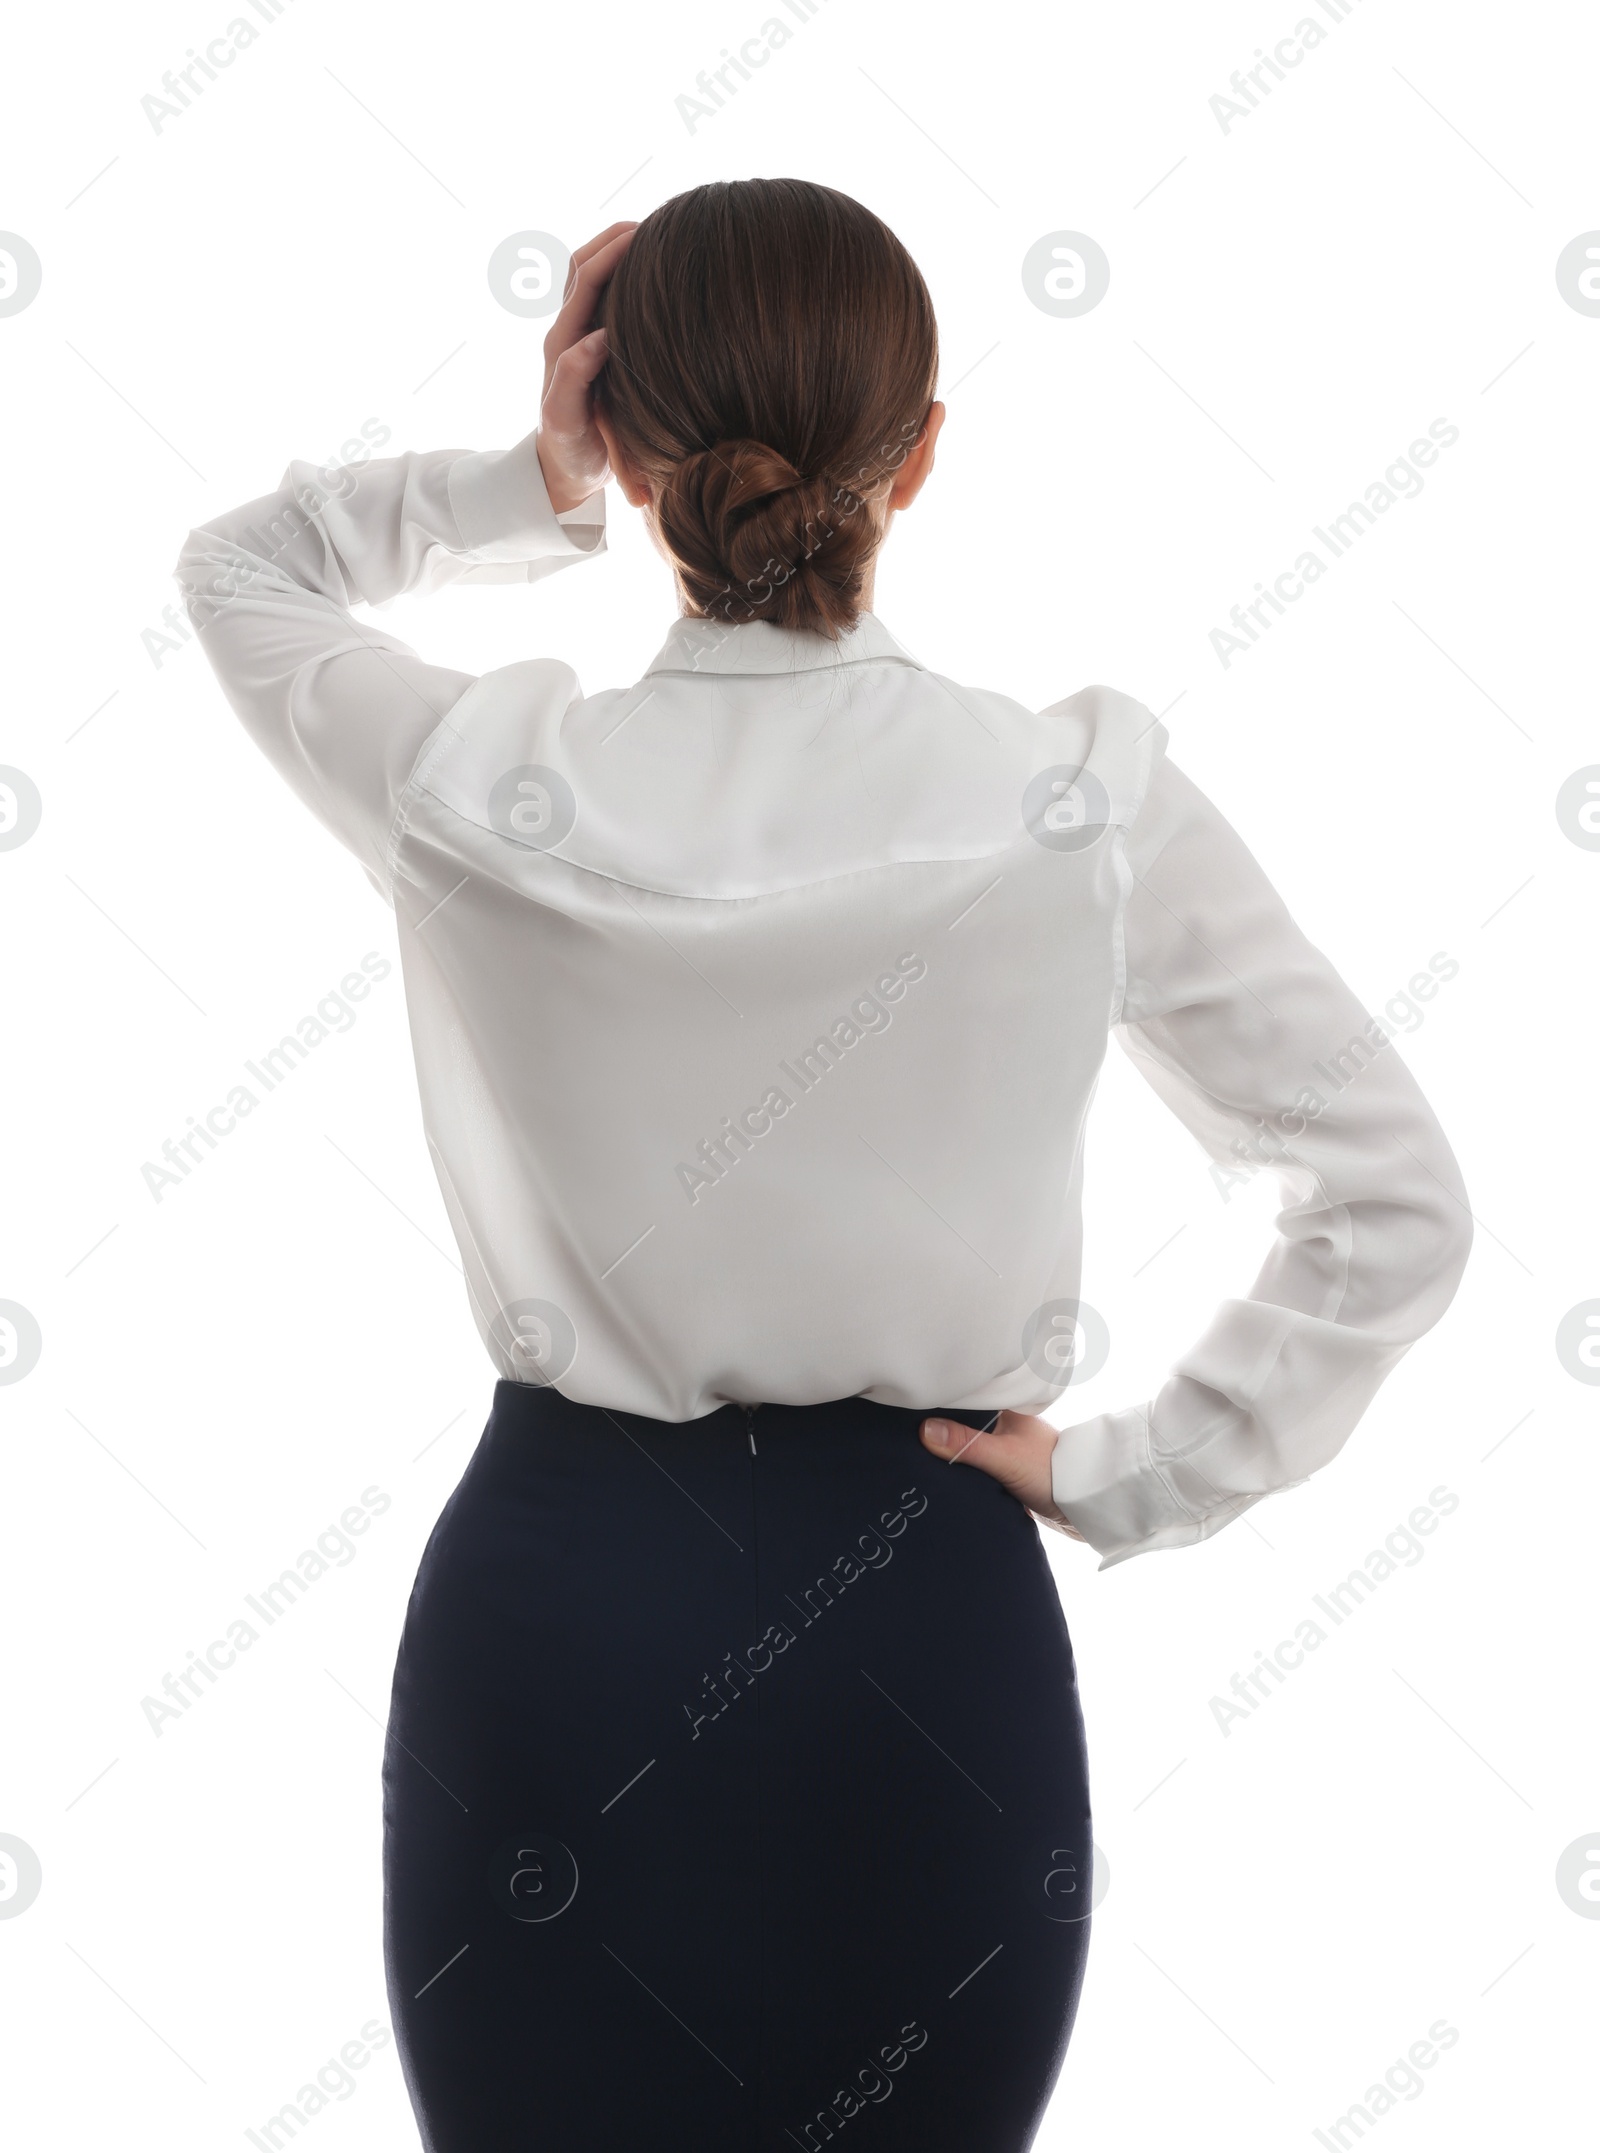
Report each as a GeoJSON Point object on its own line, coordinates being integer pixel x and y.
{"type": "Point", "coordinates": [758, 1005]}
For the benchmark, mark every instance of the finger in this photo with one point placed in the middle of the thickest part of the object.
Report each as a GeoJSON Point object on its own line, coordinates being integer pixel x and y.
{"type": "Point", "coordinates": [1006, 1428]}
{"type": "Point", "coordinates": [576, 317]}
{"type": "Point", "coordinates": [600, 239]}
{"type": "Point", "coordinates": [952, 1440]}
{"type": "Point", "coordinates": [1016, 1452]}
{"type": "Point", "coordinates": [580, 362]}
{"type": "Point", "coordinates": [565, 406]}
{"type": "Point", "coordinates": [584, 286]}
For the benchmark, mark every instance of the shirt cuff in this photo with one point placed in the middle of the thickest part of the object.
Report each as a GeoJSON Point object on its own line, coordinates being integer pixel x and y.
{"type": "Point", "coordinates": [1106, 1483]}
{"type": "Point", "coordinates": [503, 512]}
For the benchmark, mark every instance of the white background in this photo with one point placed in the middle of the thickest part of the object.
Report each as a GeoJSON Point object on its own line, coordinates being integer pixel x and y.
{"type": "Point", "coordinates": [1292, 1904]}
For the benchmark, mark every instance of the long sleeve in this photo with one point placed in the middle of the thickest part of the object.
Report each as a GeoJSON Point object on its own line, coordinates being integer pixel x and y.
{"type": "Point", "coordinates": [340, 707]}
{"type": "Point", "coordinates": [1254, 1041]}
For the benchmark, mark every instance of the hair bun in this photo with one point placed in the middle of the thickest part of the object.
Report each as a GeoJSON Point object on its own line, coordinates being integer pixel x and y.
{"type": "Point", "coordinates": [755, 472]}
{"type": "Point", "coordinates": [771, 361]}
{"type": "Point", "coordinates": [755, 538]}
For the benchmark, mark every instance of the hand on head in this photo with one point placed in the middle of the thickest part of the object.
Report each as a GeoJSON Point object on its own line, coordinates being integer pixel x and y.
{"type": "Point", "coordinates": [572, 450]}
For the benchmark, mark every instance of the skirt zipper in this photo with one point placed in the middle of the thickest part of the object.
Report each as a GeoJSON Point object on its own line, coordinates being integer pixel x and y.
{"type": "Point", "coordinates": [750, 1427]}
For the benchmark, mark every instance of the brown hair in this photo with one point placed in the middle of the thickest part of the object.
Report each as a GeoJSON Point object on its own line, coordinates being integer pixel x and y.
{"type": "Point", "coordinates": [771, 359]}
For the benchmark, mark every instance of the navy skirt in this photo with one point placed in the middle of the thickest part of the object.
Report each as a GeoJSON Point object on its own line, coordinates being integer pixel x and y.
{"type": "Point", "coordinates": [735, 1792]}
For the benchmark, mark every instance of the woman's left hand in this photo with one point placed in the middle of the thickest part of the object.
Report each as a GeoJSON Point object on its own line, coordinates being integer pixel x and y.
{"type": "Point", "coordinates": [1016, 1452]}
{"type": "Point", "coordinates": [572, 454]}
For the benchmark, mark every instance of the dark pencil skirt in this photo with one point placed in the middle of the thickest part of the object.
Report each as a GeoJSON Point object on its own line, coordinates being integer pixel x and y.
{"type": "Point", "coordinates": [735, 1794]}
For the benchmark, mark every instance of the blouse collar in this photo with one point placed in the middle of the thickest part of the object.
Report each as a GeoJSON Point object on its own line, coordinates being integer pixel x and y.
{"type": "Point", "coordinates": [758, 646]}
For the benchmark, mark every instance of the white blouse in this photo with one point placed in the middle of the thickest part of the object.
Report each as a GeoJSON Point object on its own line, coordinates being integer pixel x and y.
{"type": "Point", "coordinates": [757, 1006]}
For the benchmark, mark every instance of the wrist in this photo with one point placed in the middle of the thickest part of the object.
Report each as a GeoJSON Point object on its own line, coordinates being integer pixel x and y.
{"type": "Point", "coordinates": [504, 514]}
{"type": "Point", "coordinates": [565, 492]}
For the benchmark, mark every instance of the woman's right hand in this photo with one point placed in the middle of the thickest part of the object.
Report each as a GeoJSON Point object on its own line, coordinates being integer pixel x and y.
{"type": "Point", "coordinates": [572, 452]}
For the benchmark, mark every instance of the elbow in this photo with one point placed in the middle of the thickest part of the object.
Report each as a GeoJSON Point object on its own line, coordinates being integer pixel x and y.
{"type": "Point", "coordinates": [193, 555]}
{"type": "Point", "coordinates": [206, 574]}
{"type": "Point", "coordinates": [1459, 1245]}
{"type": "Point", "coordinates": [1457, 1226]}
{"type": "Point", "coordinates": [1444, 1234]}
{"type": "Point", "coordinates": [1411, 1252]}
{"type": "Point", "coordinates": [191, 564]}
{"type": "Point", "coordinates": [1454, 1246]}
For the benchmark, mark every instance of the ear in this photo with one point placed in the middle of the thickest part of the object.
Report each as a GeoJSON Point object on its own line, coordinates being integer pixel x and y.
{"type": "Point", "coordinates": [919, 461]}
{"type": "Point", "coordinates": [634, 490]}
